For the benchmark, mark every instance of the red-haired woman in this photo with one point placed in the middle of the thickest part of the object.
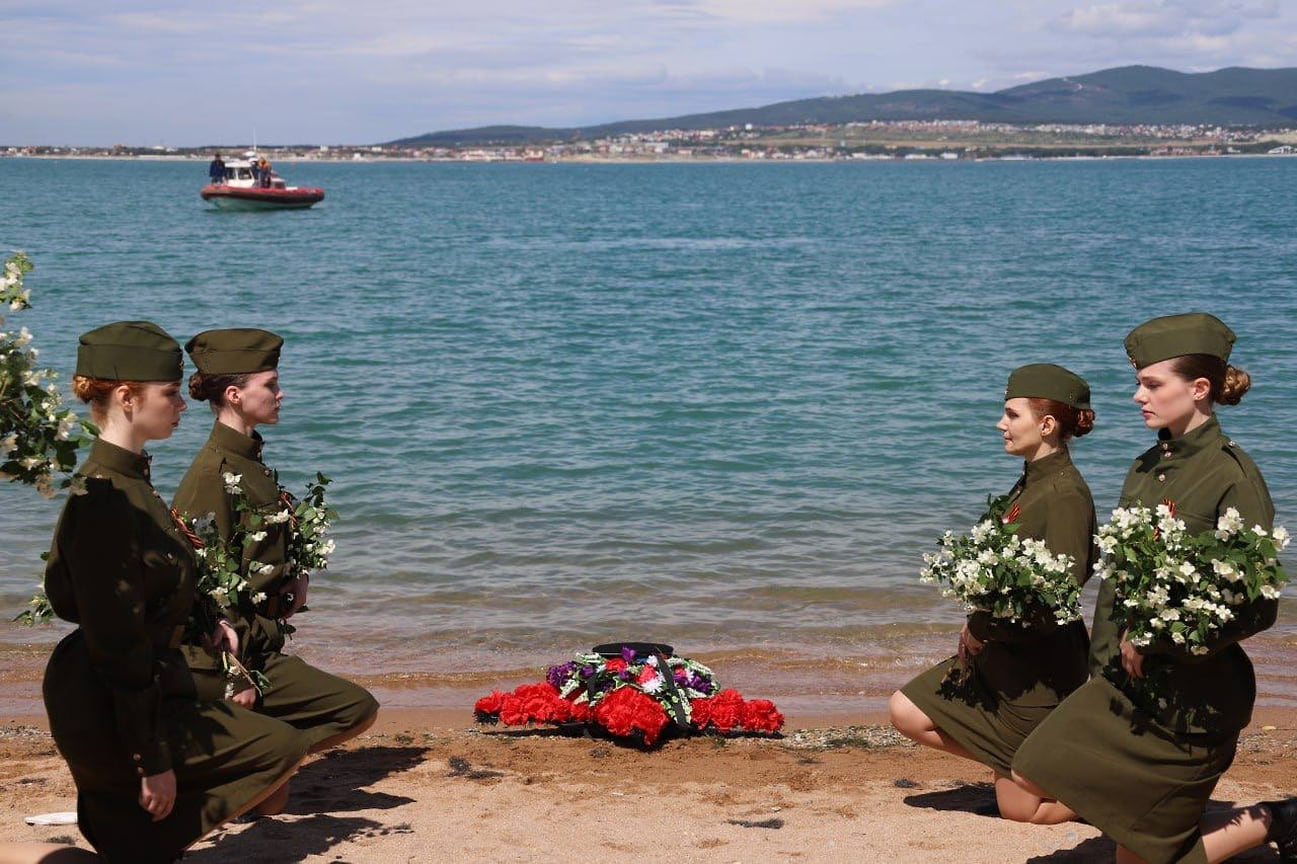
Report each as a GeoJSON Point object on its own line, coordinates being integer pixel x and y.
{"type": "Point", "coordinates": [1018, 672]}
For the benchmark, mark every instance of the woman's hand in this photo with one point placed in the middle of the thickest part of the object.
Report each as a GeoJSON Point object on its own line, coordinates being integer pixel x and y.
{"type": "Point", "coordinates": [969, 645]}
{"type": "Point", "coordinates": [297, 590]}
{"type": "Point", "coordinates": [158, 794]}
{"type": "Point", "coordinates": [1131, 660]}
{"type": "Point", "coordinates": [246, 698]}
{"type": "Point", "coordinates": [224, 638]}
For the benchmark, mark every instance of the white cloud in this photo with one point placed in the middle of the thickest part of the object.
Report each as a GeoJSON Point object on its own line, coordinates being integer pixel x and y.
{"type": "Point", "coordinates": [770, 11]}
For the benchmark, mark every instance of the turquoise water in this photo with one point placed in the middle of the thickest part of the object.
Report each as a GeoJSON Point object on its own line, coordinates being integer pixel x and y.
{"type": "Point", "coordinates": [725, 405]}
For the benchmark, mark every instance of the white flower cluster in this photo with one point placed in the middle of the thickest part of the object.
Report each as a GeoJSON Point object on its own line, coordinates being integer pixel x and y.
{"type": "Point", "coordinates": [37, 439]}
{"type": "Point", "coordinates": [309, 545]}
{"type": "Point", "coordinates": [11, 283]}
{"type": "Point", "coordinates": [994, 570]}
{"type": "Point", "coordinates": [1181, 587]}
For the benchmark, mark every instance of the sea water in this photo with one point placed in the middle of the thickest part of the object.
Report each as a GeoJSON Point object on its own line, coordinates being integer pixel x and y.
{"type": "Point", "coordinates": [727, 406]}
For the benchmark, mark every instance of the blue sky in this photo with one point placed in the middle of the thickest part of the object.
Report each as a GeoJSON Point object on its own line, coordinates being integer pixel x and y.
{"type": "Point", "coordinates": [148, 72]}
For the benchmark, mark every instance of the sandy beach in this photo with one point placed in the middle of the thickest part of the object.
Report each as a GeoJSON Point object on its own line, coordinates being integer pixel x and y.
{"type": "Point", "coordinates": [429, 785]}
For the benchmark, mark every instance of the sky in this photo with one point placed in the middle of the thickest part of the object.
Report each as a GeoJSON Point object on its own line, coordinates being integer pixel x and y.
{"type": "Point", "coordinates": [185, 74]}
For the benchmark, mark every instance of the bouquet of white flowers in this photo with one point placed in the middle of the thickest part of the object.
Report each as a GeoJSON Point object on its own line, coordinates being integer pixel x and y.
{"type": "Point", "coordinates": [222, 575]}
{"type": "Point", "coordinates": [1185, 588]}
{"type": "Point", "coordinates": [994, 570]}
{"type": "Point", "coordinates": [38, 435]}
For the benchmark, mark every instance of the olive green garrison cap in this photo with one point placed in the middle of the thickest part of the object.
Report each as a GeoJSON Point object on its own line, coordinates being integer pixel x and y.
{"type": "Point", "coordinates": [130, 351]}
{"type": "Point", "coordinates": [1047, 381]}
{"type": "Point", "coordinates": [237, 351]}
{"type": "Point", "coordinates": [1176, 336]}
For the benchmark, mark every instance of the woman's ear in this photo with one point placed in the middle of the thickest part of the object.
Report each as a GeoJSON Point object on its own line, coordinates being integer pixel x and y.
{"type": "Point", "coordinates": [1048, 426]}
{"type": "Point", "coordinates": [1201, 389]}
{"type": "Point", "coordinates": [124, 396]}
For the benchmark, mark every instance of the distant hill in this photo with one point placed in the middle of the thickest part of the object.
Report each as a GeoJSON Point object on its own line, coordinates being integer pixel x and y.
{"type": "Point", "coordinates": [1124, 96]}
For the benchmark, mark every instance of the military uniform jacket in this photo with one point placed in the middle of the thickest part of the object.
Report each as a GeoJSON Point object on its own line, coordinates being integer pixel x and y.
{"type": "Point", "coordinates": [202, 492]}
{"type": "Point", "coordinates": [121, 568]}
{"type": "Point", "coordinates": [1201, 474]}
{"type": "Point", "coordinates": [1052, 503]}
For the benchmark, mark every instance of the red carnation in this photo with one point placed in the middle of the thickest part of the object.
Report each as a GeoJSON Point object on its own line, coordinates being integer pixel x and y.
{"type": "Point", "coordinates": [726, 709]}
{"type": "Point", "coordinates": [530, 703]}
{"type": "Point", "coordinates": [626, 709]}
{"type": "Point", "coordinates": [760, 715]}
{"type": "Point", "coordinates": [615, 664]}
{"type": "Point", "coordinates": [580, 712]}
{"type": "Point", "coordinates": [489, 704]}
{"type": "Point", "coordinates": [700, 711]}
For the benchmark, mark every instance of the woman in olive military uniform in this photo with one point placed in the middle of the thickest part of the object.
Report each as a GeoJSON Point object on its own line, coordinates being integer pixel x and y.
{"type": "Point", "coordinates": [1017, 672]}
{"type": "Point", "coordinates": [155, 768]}
{"type": "Point", "coordinates": [1142, 766]}
{"type": "Point", "coordinates": [238, 375]}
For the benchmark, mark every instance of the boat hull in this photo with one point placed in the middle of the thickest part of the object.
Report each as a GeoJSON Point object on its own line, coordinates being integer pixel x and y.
{"type": "Point", "coordinates": [239, 198]}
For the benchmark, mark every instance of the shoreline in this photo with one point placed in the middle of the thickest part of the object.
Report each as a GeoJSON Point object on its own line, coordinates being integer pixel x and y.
{"type": "Point", "coordinates": [841, 681]}
{"type": "Point", "coordinates": [1007, 156]}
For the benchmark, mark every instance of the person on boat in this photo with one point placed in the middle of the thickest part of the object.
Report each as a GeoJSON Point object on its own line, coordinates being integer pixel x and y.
{"type": "Point", "coordinates": [216, 170]}
{"type": "Point", "coordinates": [1138, 749]}
{"type": "Point", "coordinates": [1017, 672]}
{"type": "Point", "coordinates": [156, 767]}
{"type": "Point", "coordinates": [265, 172]}
{"type": "Point", "coordinates": [238, 376]}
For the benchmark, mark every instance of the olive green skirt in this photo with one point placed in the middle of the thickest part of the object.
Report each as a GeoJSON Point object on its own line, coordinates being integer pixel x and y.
{"type": "Point", "coordinates": [1146, 789]}
{"type": "Point", "coordinates": [319, 705]}
{"type": "Point", "coordinates": [223, 757]}
{"type": "Point", "coordinates": [983, 722]}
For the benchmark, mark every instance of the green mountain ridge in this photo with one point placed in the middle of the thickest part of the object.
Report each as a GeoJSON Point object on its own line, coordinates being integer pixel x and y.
{"type": "Point", "coordinates": [1127, 95]}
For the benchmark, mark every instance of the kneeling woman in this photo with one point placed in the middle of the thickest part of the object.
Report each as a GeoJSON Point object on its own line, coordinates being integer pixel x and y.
{"type": "Point", "coordinates": [238, 374]}
{"type": "Point", "coordinates": [155, 767]}
{"type": "Point", "coordinates": [1017, 672]}
{"type": "Point", "coordinates": [1139, 760]}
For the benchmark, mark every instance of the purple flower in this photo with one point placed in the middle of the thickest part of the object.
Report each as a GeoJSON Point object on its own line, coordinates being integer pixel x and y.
{"type": "Point", "coordinates": [628, 654]}
{"type": "Point", "coordinates": [587, 671]}
{"type": "Point", "coordinates": [559, 674]}
{"type": "Point", "coordinates": [624, 674]}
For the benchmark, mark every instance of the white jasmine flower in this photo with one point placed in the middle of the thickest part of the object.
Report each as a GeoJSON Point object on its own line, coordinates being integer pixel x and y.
{"type": "Point", "coordinates": [231, 481]}
{"type": "Point", "coordinates": [259, 597]}
{"type": "Point", "coordinates": [257, 537]}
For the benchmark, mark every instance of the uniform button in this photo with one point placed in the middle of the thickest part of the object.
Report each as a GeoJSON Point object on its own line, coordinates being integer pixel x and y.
{"type": "Point", "coordinates": [1161, 478]}
{"type": "Point", "coordinates": [137, 757]}
{"type": "Point", "coordinates": [139, 771]}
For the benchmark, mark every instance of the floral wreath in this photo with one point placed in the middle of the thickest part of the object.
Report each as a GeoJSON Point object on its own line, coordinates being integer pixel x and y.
{"type": "Point", "coordinates": [641, 691]}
